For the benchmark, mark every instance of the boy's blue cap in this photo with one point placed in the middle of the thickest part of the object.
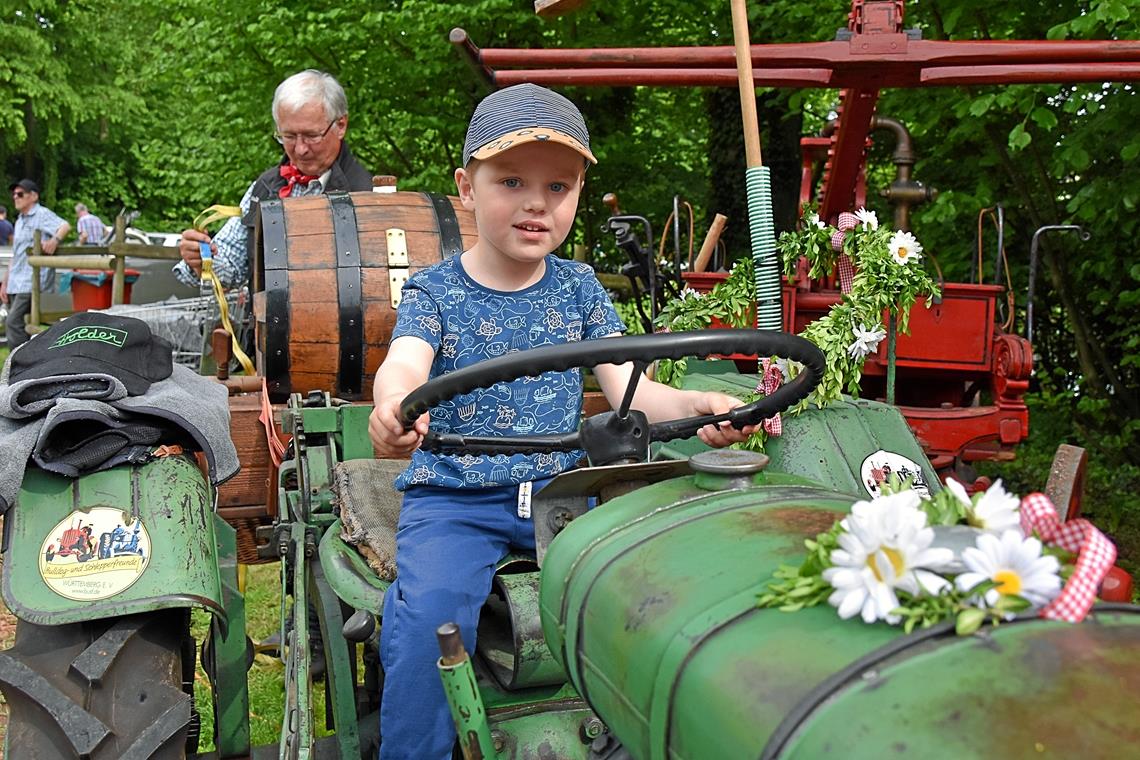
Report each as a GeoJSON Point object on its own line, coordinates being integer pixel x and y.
{"type": "Point", "coordinates": [524, 113]}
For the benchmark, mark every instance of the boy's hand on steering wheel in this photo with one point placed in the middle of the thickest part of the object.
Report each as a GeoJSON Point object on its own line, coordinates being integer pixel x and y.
{"type": "Point", "coordinates": [719, 436]}
{"type": "Point", "coordinates": [389, 439]}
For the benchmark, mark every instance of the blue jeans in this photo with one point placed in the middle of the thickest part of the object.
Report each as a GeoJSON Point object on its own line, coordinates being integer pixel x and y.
{"type": "Point", "coordinates": [447, 545]}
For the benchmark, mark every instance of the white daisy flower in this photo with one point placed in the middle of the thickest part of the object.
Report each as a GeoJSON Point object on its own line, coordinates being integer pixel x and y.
{"type": "Point", "coordinates": [815, 221]}
{"type": "Point", "coordinates": [905, 248]}
{"type": "Point", "coordinates": [996, 511]}
{"type": "Point", "coordinates": [885, 547]}
{"type": "Point", "coordinates": [867, 218]}
{"type": "Point", "coordinates": [1013, 562]}
{"type": "Point", "coordinates": [688, 292]}
{"type": "Point", "coordinates": [866, 341]}
{"type": "Point", "coordinates": [789, 368]}
{"type": "Point", "coordinates": [959, 492]}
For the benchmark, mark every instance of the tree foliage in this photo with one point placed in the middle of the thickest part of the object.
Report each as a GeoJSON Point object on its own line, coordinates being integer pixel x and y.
{"type": "Point", "coordinates": [1048, 155]}
{"type": "Point", "coordinates": [163, 106]}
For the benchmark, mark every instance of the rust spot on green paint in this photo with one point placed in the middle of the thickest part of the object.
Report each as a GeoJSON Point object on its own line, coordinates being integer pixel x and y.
{"type": "Point", "coordinates": [649, 598]}
{"type": "Point", "coordinates": [1039, 689]}
{"type": "Point", "coordinates": [795, 521]}
{"type": "Point", "coordinates": [471, 747]}
{"type": "Point", "coordinates": [648, 609]}
{"type": "Point", "coordinates": [1100, 665]}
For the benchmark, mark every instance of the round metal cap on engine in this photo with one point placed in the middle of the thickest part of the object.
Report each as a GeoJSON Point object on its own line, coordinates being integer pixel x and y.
{"type": "Point", "coordinates": [726, 469]}
{"type": "Point", "coordinates": [729, 462]}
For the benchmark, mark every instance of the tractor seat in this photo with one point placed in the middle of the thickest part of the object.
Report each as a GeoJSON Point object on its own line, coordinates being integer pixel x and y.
{"type": "Point", "coordinates": [370, 509]}
{"type": "Point", "coordinates": [359, 558]}
{"type": "Point", "coordinates": [510, 627]}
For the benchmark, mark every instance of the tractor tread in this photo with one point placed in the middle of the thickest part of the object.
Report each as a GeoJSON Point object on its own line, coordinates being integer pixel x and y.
{"type": "Point", "coordinates": [99, 690]}
{"type": "Point", "coordinates": [97, 659]}
{"type": "Point", "coordinates": [83, 730]}
{"type": "Point", "coordinates": [176, 717]}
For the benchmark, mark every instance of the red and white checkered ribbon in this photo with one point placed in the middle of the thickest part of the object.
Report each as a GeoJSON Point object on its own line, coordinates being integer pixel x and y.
{"type": "Point", "coordinates": [847, 221]}
{"type": "Point", "coordinates": [1095, 555]}
{"type": "Point", "coordinates": [846, 273]}
{"type": "Point", "coordinates": [771, 380]}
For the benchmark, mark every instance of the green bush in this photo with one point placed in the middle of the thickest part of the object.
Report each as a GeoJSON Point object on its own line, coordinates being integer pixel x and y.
{"type": "Point", "coordinates": [1112, 485]}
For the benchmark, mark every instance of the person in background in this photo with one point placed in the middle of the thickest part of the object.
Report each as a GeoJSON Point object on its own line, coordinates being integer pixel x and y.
{"type": "Point", "coordinates": [90, 227]}
{"type": "Point", "coordinates": [310, 115]}
{"type": "Point", "coordinates": [16, 289]}
{"type": "Point", "coordinates": [6, 228]}
{"type": "Point", "coordinates": [310, 112]}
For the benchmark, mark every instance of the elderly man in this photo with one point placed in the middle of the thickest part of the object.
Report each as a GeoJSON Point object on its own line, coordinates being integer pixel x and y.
{"type": "Point", "coordinates": [90, 227]}
{"type": "Point", "coordinates": [310, 111]}
{"type": "Point", "coordinates": [16, 289]}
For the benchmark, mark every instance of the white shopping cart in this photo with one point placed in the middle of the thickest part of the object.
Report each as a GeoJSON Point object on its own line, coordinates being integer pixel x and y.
{"type": "Point", "coordinates": [188, 324]}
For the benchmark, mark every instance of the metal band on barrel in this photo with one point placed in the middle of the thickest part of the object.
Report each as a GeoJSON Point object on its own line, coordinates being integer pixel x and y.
{"type": "Point", "coordinates": [450, 237]}
{"type": "Point", "coordinates": [350, 301]}
{"type": "Point", "coordinates": [275, 256]}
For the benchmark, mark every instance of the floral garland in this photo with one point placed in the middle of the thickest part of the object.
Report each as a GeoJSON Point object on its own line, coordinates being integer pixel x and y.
{"type": "Point", "coordinates": [883, 562]}
{"type": "Point", "coordinates": [732, 302]}
{"type": "Point", "coordinates": [886, 277]}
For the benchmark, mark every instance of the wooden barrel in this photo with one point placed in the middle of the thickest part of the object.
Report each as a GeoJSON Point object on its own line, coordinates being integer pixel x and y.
{"type": "Point", "coordinates": [328, 277]}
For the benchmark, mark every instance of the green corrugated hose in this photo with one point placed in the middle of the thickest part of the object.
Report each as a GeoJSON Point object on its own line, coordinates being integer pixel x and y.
{"type": "Point", "coordinates": [764, 253]}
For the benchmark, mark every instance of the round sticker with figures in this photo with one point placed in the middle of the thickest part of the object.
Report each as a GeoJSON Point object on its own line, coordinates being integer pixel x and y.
{"type": "Point", "coordinates": [881, 465]}
{"type": "Point", "coordinates": [94, 554]}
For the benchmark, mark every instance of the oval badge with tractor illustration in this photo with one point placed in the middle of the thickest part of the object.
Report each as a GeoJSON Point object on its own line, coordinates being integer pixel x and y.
{"type": "Point", "coordinates": [94, 554]}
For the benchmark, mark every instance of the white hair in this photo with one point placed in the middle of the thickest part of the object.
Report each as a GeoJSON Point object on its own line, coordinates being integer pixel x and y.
{"type": "Point", "coordinates": [80, 208]}
{"type": "Point", "coordinates": [310, 86]}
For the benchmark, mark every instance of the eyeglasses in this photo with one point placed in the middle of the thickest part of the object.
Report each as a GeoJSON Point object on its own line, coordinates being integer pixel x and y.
{"type": "Point", "coordinates": [306, 138]}
{"type": "Point", "coordinates": [18, 193]}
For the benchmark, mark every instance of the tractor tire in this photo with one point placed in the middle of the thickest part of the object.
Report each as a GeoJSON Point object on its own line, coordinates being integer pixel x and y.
{"type": "Point", "coordinates": [113, 689]}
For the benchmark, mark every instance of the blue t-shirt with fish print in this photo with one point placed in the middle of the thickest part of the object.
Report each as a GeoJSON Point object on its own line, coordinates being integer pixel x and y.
{"type": "Point", "coordinates": [466, 323]}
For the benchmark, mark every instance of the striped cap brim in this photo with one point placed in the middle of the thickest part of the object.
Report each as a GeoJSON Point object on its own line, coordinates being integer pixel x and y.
{"type": "Point", "coordinates": [531, 134]}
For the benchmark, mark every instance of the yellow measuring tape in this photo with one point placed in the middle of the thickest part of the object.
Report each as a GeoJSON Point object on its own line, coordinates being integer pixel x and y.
{"type": "Point", "coordinates": [208, 216]}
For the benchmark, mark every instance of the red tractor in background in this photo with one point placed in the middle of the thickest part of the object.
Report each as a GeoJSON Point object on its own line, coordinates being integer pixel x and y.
{"type": "Point", "coordinates": [962, 372]}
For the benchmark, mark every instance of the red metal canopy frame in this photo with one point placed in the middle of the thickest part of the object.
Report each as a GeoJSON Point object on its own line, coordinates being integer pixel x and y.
{"type": "Point", "coordinates": [873, 53]}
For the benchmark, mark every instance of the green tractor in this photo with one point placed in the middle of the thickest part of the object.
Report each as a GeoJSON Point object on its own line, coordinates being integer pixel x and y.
{"type": "Point", "coordinates": [633, 633]}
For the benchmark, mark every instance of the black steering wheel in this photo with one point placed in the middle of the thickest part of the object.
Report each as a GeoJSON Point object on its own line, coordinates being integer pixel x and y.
{"type": "Point", "coordinates": [625, 434]}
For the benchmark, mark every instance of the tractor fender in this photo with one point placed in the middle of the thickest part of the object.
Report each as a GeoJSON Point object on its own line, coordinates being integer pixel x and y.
{"type": "Point", "coordinates": [126, 540]}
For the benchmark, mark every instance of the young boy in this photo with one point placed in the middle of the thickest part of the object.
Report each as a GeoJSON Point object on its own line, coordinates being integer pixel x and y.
{"type": "Point", "coordinates": [525, 159]}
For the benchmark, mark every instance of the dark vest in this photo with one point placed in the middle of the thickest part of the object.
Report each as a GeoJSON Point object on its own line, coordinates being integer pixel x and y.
{"type": "Point", "coordinates": [346, 175]}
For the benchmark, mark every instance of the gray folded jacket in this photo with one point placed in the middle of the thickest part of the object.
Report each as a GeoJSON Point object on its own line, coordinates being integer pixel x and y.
{"type": "Point", "coordinates": [28, 398]}
{"type": "Point", "coordinates": [33, 413]}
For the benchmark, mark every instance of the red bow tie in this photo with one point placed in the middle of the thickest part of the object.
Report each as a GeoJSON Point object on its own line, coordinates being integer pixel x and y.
{"type": "Point", "coordinates": [293, 176]}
